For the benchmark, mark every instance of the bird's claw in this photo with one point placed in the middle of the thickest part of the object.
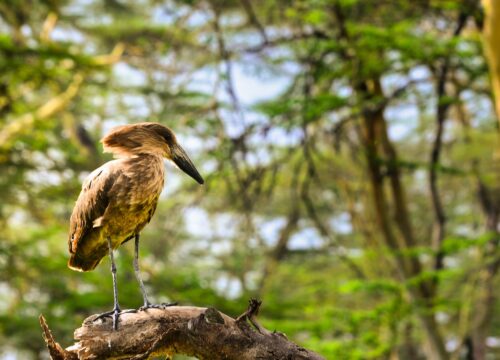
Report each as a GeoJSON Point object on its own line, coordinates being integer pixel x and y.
{"type": "Point", "coordinates": [114, 314]}
{"type": "Point", "coordinates": [147, 306]}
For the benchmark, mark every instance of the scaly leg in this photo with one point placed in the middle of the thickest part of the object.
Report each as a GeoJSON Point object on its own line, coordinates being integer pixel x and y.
{"type": "Point", "coordinates": [115, 313]}
{"type": "Point", "coordinates": [147, 304]}
{"type": "Point", "coordinates": [138, 274]}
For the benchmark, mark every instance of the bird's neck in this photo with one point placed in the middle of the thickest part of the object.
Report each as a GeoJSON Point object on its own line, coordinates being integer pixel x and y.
{"type": "Point", "coordinates": [146, 172]}
{"type": "Point", "coordinates": [145, 163]}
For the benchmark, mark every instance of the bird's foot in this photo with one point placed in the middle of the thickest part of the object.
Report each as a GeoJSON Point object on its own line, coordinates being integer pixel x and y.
{"type": "Point", "coordinates": [114, 314]}
{"type": "Point", "coordinates": [148, 305]}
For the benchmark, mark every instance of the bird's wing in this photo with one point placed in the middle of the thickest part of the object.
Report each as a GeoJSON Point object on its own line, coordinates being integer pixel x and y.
{"type": "Point", "coordinates": [91, 204]}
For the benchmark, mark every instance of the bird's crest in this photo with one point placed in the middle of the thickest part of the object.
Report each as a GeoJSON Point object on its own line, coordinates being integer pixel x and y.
{"type": "Point", "coordinates": [127, 140]}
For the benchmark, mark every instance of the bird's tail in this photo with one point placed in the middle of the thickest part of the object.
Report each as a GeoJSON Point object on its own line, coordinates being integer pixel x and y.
{"type": "Point", "coordinates": [79, 263]}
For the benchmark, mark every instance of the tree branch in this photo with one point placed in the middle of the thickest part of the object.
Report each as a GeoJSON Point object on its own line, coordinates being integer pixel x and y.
{"type": "Point", "coordinates": [204, 333]}
{"type": "Point", "coordinates": [252, 17]}
{"type": "Point", "coordinates": [443, 104]}
{"type": "Point", "coordinates": [51, 107]}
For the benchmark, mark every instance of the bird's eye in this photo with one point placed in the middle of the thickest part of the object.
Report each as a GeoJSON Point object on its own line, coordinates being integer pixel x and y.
{"type": "Point", "coordinates": [166, 135]}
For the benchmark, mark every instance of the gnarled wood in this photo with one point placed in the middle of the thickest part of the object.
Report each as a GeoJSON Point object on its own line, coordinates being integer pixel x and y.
{"type": "Point", "coordinates": [201, 332]}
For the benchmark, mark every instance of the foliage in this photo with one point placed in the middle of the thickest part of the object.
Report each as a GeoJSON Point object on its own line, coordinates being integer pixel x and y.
{"type": "Point", "coordinates": [275, 101]}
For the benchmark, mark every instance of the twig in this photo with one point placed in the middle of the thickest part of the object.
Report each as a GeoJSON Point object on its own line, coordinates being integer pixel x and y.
{"type": "Point", "coordinates": [55, 350]}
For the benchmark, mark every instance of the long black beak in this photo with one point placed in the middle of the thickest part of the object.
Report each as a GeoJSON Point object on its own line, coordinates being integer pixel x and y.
{"type": "Point", "coordinates": [180, 158]}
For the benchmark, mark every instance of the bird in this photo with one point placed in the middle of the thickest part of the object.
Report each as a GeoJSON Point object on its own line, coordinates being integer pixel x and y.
{"type": "Point", "coordinates": [119, 198]}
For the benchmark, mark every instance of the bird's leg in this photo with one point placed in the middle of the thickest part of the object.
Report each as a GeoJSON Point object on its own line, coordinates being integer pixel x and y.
{"type": "Point", "coordinates": [147, 304]}
{"type": "Point", "coordinates": [116, 307]}
{"type": "Point", "coordinates": [138, 274]}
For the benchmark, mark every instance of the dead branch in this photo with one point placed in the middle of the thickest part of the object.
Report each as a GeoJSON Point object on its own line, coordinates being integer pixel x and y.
{"type": "Point", "coordinates": [204, 333]}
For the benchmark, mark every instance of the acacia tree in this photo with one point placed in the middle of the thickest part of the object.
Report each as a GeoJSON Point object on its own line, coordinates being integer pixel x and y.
{"type": "Point", "coordinates": [355, 180]}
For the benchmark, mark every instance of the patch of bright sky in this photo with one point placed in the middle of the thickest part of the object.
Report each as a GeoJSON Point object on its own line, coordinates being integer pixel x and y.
{"type": "Point", "coordinates": [26, 30]}
{"type": "Point", "coordinates": [199, 217]}
{"type": "Point", "coordinates": [220, 247]}
{"type": "Point", "coordinates": [225, 225]}
{"type": "Point", "coordinates": [11, 354]}
{"type": "Point", "coordinates": [173, 179]}
{"type": "Point", "coordinates": [228, 286]}
{"type": "Point", "coordinates": [167, 14]}
{"type": "Point", "coordinates": [127, 75]}
{"type": "Point", "coordinates": [403, 119]}
{"type": "Point", "coordinates": [493, 342]}
{"type": "Point", "coordinates": [197, 19]}
{"type": "Point", "coordinates": [479, 106]}
{"type": "Point", "coordinates": [269, 230]}
{"type": "Point", "coordinates": [217, 226]}
{"type": "Point", "coordinates": [79, 7]}
{"type": "Point", "coordinates": [202, 80]}
{"type": "Point", "coordinates": [284, 137]}
{"type": "Point", "coordinates": [344, 91]}
{"type": "Point", "coordinates": [307, 238]}
{"type": "Point", "coordinates": [341, 223]}
{"type": "Point", "coordinates": [259, 156]}
{"type": "Point", "coordinates": [137, 106]}
{"type": "Point", "coordinates": [66, 34]}
{"type": "Point", "coordinates": [252, 88]}
{"type": "Point", "coordinates": [45, 162]}
{"type": "Point", "coordinates": [403, 116]}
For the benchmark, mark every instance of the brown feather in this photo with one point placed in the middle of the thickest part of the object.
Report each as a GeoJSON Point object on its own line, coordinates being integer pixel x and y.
{"type": "Point", "coordinates": [117, 201]}
{"type": "Point", "coordinates": [127, 140]}
{"type": "Point", "coordinates": [119, 198]}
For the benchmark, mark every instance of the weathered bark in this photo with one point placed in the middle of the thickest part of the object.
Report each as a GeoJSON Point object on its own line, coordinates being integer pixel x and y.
{"type": "Point", "coordinates": [201, 332]}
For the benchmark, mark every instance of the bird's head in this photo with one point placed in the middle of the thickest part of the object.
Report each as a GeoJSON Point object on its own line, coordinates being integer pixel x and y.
{"type": "Point", "coordinates": [149, 138]}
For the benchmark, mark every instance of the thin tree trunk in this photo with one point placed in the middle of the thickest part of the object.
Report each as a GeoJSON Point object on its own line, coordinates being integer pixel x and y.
{"type": "Point", "coordinates": [491, 44]}
{"type": "Point", "coordinates": [383, 162]}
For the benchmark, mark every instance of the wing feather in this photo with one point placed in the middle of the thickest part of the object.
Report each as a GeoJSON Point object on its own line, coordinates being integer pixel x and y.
{"type": "Point", "coordinates": [91, 205]}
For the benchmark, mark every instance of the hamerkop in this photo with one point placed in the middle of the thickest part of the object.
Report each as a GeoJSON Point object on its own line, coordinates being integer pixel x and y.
{"type": "Point", "coordinates": [119, 198]}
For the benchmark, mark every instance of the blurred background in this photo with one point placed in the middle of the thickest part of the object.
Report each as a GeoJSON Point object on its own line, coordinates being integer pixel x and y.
{"type": "Point", "coordinates": [348, 148]}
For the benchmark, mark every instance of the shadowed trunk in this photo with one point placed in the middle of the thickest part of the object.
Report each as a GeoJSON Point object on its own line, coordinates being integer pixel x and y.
{"type": "Point", "coordinates": [383, 163]}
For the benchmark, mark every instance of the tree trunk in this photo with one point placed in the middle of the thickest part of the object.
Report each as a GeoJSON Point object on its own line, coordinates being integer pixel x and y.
{"type": "Point", "coordinates": [491, 43]}
{"type": "Point", "coordinates": [489, 196]}
{"type": "Point", "coordinates": [382, 162]}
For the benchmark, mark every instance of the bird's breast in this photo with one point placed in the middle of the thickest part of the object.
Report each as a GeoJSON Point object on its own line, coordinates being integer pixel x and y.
{"type": "Point", "coordinates": [143, 180]}
{"type": "Point", "coordinates": [134, 198]}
